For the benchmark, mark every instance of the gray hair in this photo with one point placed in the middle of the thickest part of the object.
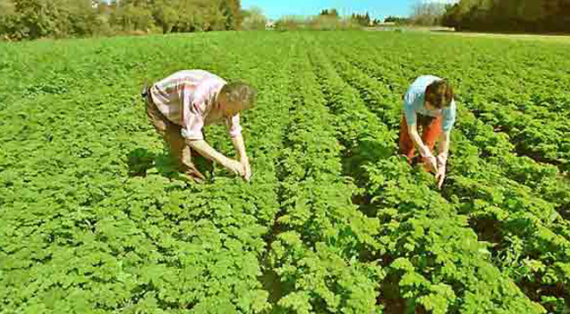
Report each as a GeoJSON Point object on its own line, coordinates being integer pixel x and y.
{"type": "Point", "coordinates": [240, 92]}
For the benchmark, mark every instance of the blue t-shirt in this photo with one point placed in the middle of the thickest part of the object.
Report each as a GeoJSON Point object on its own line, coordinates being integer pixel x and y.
{"type": "Point", "coordinates": [415, 103]}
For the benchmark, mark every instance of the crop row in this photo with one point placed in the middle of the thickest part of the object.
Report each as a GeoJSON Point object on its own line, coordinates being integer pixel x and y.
{"type": "Point", "coordinates": [80, 235]}
{"type": "Point", "coordinates": [486, 181]}
{"type": "Point", "coordinates": [434, 259]}
{"type": "Point", "coordinates": [319, 232]}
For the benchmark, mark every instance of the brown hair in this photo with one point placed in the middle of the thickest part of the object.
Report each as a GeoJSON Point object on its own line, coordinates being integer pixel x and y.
{"type": "Point", "coordinates": [439, 94]}
{"type": "Point", "coordinates": [240, 92]}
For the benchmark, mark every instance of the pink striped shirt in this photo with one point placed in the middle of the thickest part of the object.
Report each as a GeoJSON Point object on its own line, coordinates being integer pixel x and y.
{"type": "Point", "coordinates": [187, 98]}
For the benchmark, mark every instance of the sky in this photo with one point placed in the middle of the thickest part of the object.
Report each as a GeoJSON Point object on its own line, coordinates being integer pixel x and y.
{"type": "Point", "coordinates": [381, 9]}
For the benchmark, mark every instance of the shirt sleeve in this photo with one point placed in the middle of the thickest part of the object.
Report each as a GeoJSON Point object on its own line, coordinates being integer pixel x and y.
{"type": "Point", "coordinates": [192, 117]}
{"type": "Point", "coordinates": [234, 127]}
{"type": "Point", "coordinates": [409, 111]}
{"type": "Point", "coordinates": [449, 115]}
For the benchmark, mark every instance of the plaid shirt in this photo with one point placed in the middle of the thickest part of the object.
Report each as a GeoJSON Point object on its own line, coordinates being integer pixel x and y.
{"type": "Point", "coordinates": [187, 98]}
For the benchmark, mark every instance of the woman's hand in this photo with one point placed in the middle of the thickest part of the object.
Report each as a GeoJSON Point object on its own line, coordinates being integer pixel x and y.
{"type": "Point", "coordinates": [441, 165]}
{"type": "Point", "coordinates": [432, 162]}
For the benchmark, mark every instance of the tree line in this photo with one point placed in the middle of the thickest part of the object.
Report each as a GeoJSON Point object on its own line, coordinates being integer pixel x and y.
{"type": "Point", "coordinates": [539, 16]}
{"type": "Point", "coordinates": [509, 15]}
{"type": "Point", "coordinates": [357, 18]}
{"type": "Point", "coordinates": [32, 19]}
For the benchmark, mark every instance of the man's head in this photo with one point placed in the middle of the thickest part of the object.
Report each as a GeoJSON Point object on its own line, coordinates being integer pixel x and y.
{"type": "Point", "coordinates": [236, 97]}
{"type": "Point", "coordinates": [439, 94]}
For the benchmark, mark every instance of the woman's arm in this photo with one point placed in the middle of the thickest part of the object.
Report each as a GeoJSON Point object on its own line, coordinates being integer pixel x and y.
{"type": "Point", "coordinates": [444, 142]}
{"type": "Point", "coordinates": [423, 149]}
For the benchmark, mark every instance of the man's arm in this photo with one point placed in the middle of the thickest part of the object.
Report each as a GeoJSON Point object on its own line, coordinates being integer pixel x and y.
{"type": "Point", "coordinates": [204, 149]}
{"type": "Point", "coordinates": [234, 131]}
{"type": "Point", "coordinates": [192, 124]}
{"type": "Point", "coordinates": [239, 146]}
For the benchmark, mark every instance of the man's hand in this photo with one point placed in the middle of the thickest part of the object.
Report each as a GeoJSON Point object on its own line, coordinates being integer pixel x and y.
{"type": "Point", "coordinates": [440, 175]}
{"type": "Point", "coordinates": [207, 151]}
{"type": "Point", "coordinates": [247, 169]}
{"type": "Point", "coordinates": [240, 147]}
{"type": "Point", "coordinates": [235, 166]}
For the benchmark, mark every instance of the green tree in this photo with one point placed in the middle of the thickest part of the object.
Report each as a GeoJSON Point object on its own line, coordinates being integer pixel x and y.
{"type": "Point", "coordinates": [509, 15]}
{"type": "Point", "coordinates": [254, 19]}
{"type": "Point", "coordinates": [82, 17]}
{"type": "Point", "coordinates": [131, 17]}
{"type": "Point", "coordinates": [330, 13]}
{"type": "Point", "coordinates": [218, 19]}
{"type": "Point", "coordinates": [231, 10]}
{"type": "Point", "coordinates": [30, 19]}
{"type": "Point", "coordinates": [361, 19]}
{"type": "Point", "coordinates": [427, 13]}
{"type": "Point", "coordinates": [166, 17]}
{"type": "Point", "coordinates": [8, 19]}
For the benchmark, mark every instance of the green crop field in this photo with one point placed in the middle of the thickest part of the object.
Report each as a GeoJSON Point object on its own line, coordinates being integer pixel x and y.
{"type": "Point", "coordinates": [93, 218]}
